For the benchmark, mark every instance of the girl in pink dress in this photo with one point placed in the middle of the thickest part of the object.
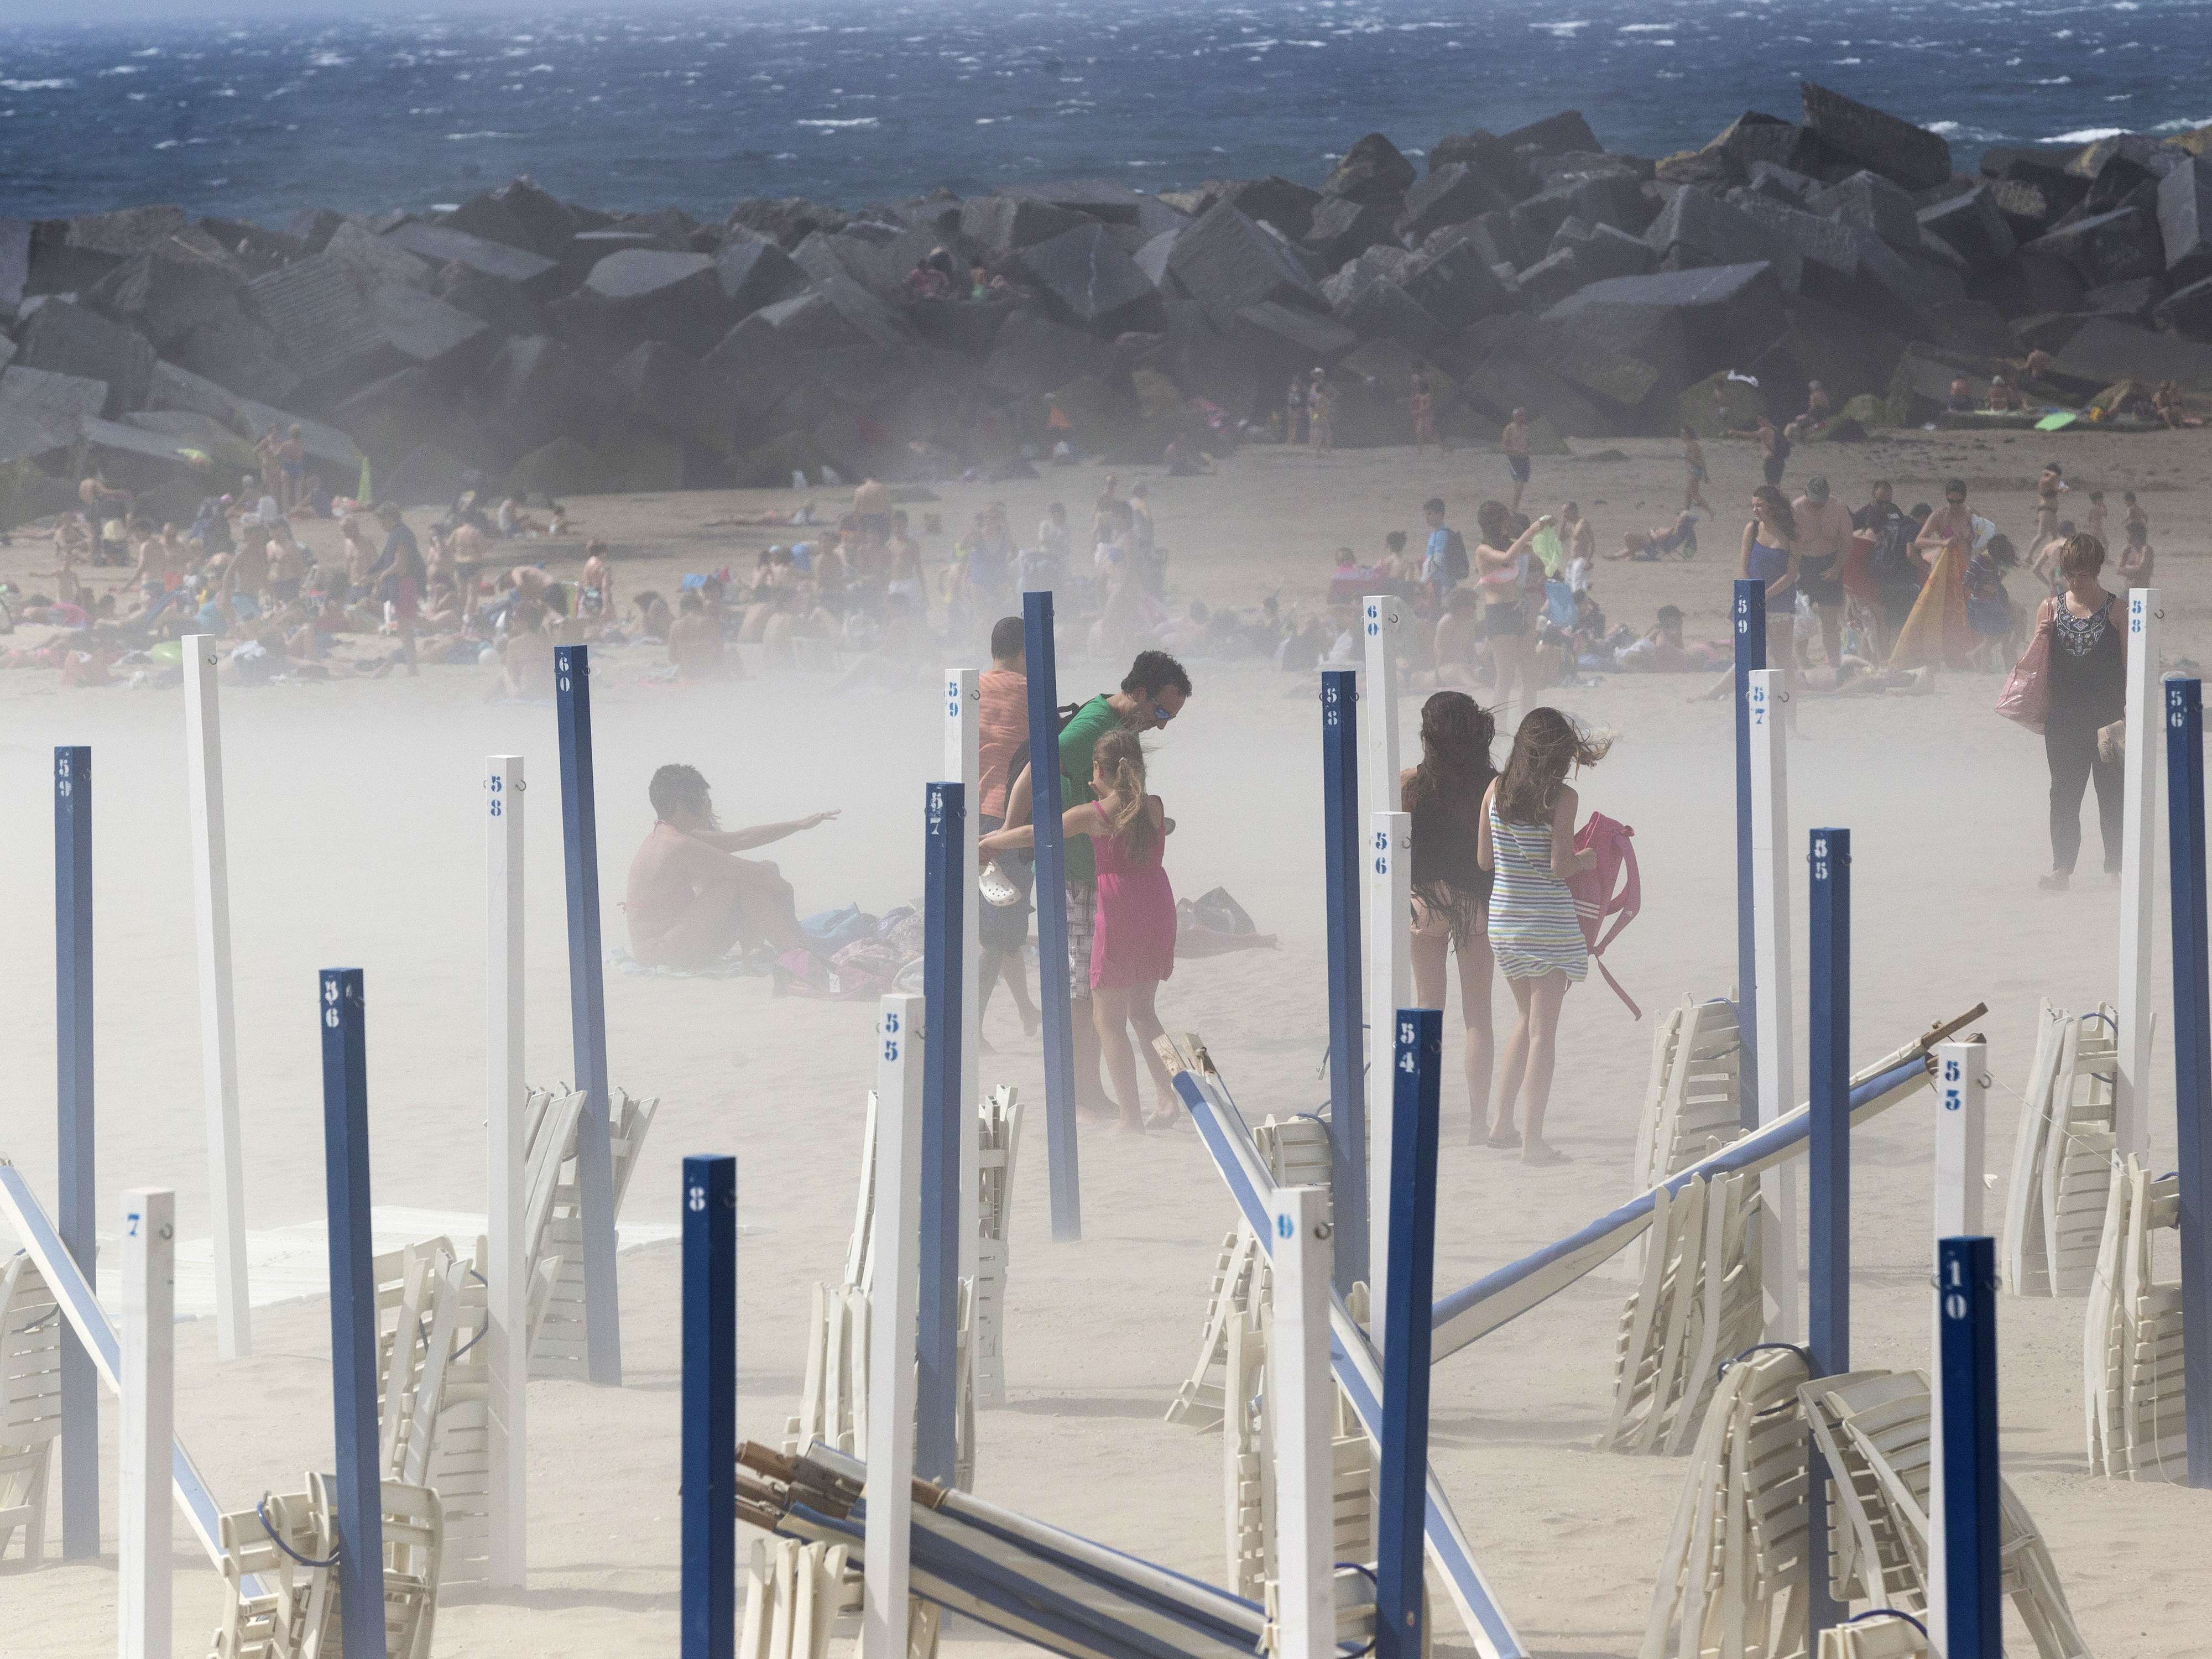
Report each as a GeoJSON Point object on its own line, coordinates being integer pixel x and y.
{"type": "Point", "coordinates": [1133, 942]}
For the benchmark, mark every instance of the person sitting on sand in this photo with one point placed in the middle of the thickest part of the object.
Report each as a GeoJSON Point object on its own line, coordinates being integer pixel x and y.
{"type": "Point", "coordinates": [653, 620]}
{"type": "Point", "coordinates": [1960, 398]}
{"type": "Point", "coordinates": [2002, 399]}
{"type": "Point", "coordinates": [690, 898]}
{"type": "Point", "coordinates": [695, 642]}
{"type": "Point", "coordinates": [1644, 546]}
{"type": "Point", "coordinates": [525, 656]}
{"type": "Point", "coordinates": [1816, 414]}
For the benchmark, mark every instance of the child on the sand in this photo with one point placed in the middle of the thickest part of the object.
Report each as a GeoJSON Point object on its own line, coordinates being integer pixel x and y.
{"type": "Point", "coordinates": [1133, 944]}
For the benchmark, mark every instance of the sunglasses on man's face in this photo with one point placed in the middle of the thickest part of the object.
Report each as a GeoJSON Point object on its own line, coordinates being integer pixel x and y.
{"type": "Point", "coordinates": [1162, 714]}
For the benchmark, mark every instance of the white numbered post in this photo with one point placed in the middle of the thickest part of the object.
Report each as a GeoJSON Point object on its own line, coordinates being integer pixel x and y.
{"type": "Point", "coordinates": [1389, 903]}
{"type": "Point", "coordinates": [1770, 872]}
{"type": "Point", "coordinates": [1304, 1395]}
{"type": "Point", "coordinates": [507, 1272]}
{"type": "Point", "coordinates": [148, 1413]}
{"type": "Point", "coordinates": [233, 1323]}
{"type": "Point", "coordinates": [2146, 737]}
{"type": "Point", "coordinates": [893, 1330]}
{"type": "Point", "coordinates": [1382, 615]}
{"type": "Point", "coordinates": [963, 737]}
{"type": "Point", "coordinates": [1962, 1072]}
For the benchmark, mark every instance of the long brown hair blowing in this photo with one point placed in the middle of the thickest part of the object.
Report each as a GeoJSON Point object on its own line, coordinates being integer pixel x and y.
{"type": "Point", "coordinates": [1455, 738]}
{"type": "Point", "coordinates": [1785, 517]}
{"type": "Point", "coordinates": [1121, 758]}
{"type": "Point", "coordinates": [1548, 745]}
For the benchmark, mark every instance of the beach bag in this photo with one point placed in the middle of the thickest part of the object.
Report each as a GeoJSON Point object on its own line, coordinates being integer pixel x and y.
{"type": "Point", "coordinates": [2026, 693]}
{"type": "Point", "coordinates": [1612, 886]}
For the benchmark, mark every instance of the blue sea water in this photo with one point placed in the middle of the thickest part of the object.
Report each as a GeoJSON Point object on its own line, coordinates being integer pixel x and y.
{"type": "Point", "coordinates": [641, 107]}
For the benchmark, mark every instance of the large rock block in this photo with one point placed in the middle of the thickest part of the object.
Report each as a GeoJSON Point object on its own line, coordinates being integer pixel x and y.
{"type": "Point", "coordinates": [2188, 311]}
{"type": "Point", "coordinates": [1341, 228]}
{"type": "Point", "coordinates": [165, 300]}
{"type": "Point", "coordinates": [636, 296]}
{"type": "Point", "coordinates": [519, 214]}
{"type": "Point", "coordinates": [376, 261]}
{"type": "Point", "coordinates": [1226, 262]}
{"type": "Point", "coordinates": [67, 256]}
{"type": "Point", "coordinates": [1372, 170]}
{"type": "Point", "coordinates": [1555, 135]}
{"type": "Point", "coordinates": [1875, 139]}
{"type": "Point", "coordinates": [1085, 279]}
{"type": "Point", "coordinates": [1686, 323]}
{"type": "Point", "coordinates": [319, 310]}
{"type": "Point", "coordinates": [1972, 225]}
{"type": "Point", "coordinates": [1450, 195]}
{"type": "Point", "coordinates": [755, 271]}
{"type": "Point", "coordinates": [530, 274]}
{"type": "Point", "coordinates": [1380, 310]}
{"type": "Point", "coordinates": [2132, 301]}
{"type": "Point", "coordinates": [1872, 203]}
{"type": "Point", "coordinates": [787, 220]}
{"type": "Point", "coordinates": [1603, 250]}
{"type": "Point", "coordinates": [66, 339]}
{"type": "Point", "coordinates": [41, 411]}
{"type": "Point", "coordinates": [243, 355]}
{"type": "Point", "coordinates": [537, 390]}
{"type": "Point", "coordinates": [1001, 224]}
{"type": "Point", "coordinates": [1105, 200]}
{"type": "Point", "coordinates": [420, 328]}
{"type": "Point", "coordinates": [1285, 340]}
{"type": "Point", "coordinates": [1033, 354]}
{"type": "Point", "coordinates": [14, 264]}
{"type": "Point", "coordinates": [1504, 167]}
{"type": "Point", "coordinates": [1552, 278]}
{"type": "Point", "coordinates": [328, 449]}
{"type": "Point", "coordinates": [1288, 206]}
{"type": "Point", "coordinates": [2107, 247]}
{"type": "Point", "coordinates": [2103, 350]}
{"type": "Point", "coordinates": [1697, 228]}
{"type": "Point", "coordinates": [2184, 219]}
{"type": "Point", "coordinates": [1456, 284]}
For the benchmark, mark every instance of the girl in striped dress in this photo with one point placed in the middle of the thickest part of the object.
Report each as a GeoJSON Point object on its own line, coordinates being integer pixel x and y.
{"type": "Point", "coordinates": [1527, 840]}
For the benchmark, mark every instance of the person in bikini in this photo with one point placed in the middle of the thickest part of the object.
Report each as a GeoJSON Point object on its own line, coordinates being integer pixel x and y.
{"type": "Point", "coordinates": [690, 898]}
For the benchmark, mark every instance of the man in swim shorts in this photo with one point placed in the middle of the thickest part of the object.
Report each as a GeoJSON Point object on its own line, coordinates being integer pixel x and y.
{"type": "Point", "coordinates": [690, 898]}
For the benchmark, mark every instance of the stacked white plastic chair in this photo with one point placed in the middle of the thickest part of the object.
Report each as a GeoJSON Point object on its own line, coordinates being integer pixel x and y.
{"type": "Point", "coordinates": [1693, 1106]}
{"type": "Point", "coordinates": [1698, 1301]}
{"type": "Point", "coordinates": [1297, 1152]}
{"type": "Point", "coordinates": [1873, 1428]}
{"type": "Point", "coordinates": [2133, 1372]}
{"type": "Point", "coordinates": [287, 1546]}
{"type": "Point", "coordinates": [1732, 1578]}
{"type": "Point", "coordinates": [1000, 1128]}
{"type": "Point", "coordinates": [794, 1593]}
{"type": "Point", "coordinates": [2061, 1172]}
{"type": "Point", "coordinates": [30, 1403]}
{"type": "Point", "coordinates": [558, 1349]}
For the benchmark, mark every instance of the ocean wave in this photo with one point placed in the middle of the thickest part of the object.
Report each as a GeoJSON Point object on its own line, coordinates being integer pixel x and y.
{"type": "Point", "coordinates": [1564, 31]}
{"type": "Point", "coordinates": [1643, 29]}
{"type": "Point", "coordinates": [857, 121]}
{"type": "Point", "coordinates": [465, 137]}
{"type": "Point", "coordinates": [125, 68]}
{"type": "Point", "coordinates": [60, 84]}
{"type": "Point", "coordinates": [2085, 135]}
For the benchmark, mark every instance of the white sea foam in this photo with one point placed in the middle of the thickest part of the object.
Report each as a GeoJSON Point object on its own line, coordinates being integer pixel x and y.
{"type": "Point", "coordinates": [1564, 31]}
{"type": "Point", "coordinates": [1643, 29]}
{"type": "Point", "coordinates": [36, 86]}
{"type": "Point", "coordinates": [466, 138]}
{"type": "Point", "coordinates": [125, 68]}
{"type": "Point", "coordinates": [2085, 135]}
{"type": "Point", "coordinates": [328, 59]}
{"type": "Point", "coordinates": [857, 121]}
{"type": "Point", "coordinates": [2055, 81]}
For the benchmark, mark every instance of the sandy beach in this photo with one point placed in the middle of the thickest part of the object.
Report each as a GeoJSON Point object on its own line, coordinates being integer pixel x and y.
{"type": "Point", "coordinates": [356, 839]}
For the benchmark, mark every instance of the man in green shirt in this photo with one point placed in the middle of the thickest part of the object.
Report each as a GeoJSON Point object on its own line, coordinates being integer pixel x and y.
{"type": "Point", "coordinates": [1153, 692]}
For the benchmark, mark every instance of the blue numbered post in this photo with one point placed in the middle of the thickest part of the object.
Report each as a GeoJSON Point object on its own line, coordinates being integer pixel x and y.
{"type": "Point", "coordinates": [1054, 998]}
{"type": "Point", "coordinates": [945, 1117]}
{"type": "Point", "coordinates": [1829, 1214]}
{"type": "Point", "coordinates": [587, 1014]}
{"type": "Point", "coordinates": [1966, 1287]}
{"type": "Point", "coordinates": [353, 1313]}
{"type": "Point", "coordinates": [73, 1136]}
{"type": "Point", "coordinates": [1750, 656]}
{"type": "Point", "coordinates": [710, 1406]}
{"type": "Point", "coordinates": [1410, 1289]}
{"type": "Point", "coordinates": [2192, 1057]}
{"type": "Point", "coordinates": [1347, 1068]}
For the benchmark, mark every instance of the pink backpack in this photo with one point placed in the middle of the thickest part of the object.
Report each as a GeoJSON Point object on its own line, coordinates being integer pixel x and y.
{"type": "Point", "coordinates": [1611, 887]}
